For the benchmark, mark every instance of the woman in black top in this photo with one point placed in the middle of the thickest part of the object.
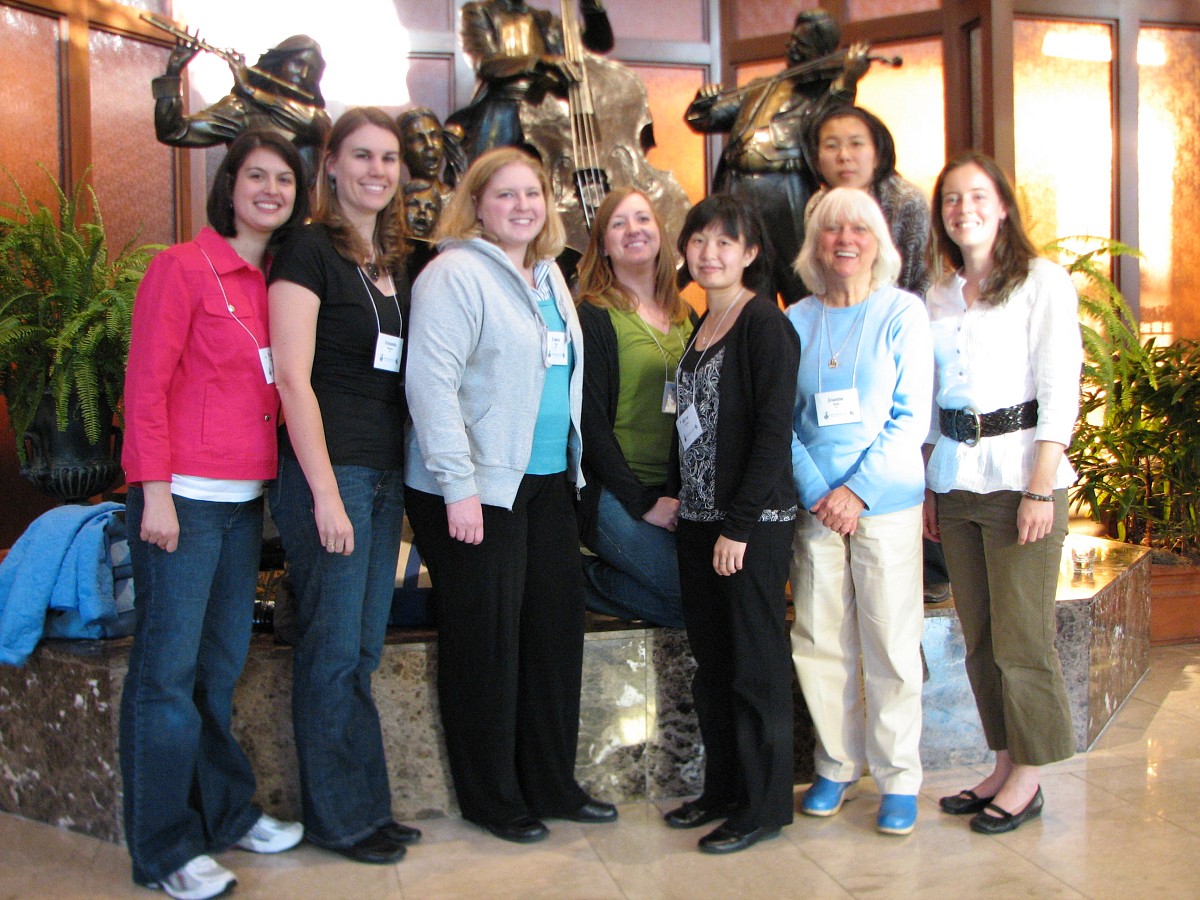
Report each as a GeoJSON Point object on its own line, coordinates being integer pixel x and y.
{"type": "Point", "coordinates": [737, 510]}
{"type": "Point", "coordinates": [338, 296]}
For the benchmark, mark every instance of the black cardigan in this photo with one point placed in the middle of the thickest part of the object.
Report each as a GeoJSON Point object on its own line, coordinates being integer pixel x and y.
{"type": "Point", "coordinates": [604, 464]}
{"type": "Point", "coordinates": [754, 425]}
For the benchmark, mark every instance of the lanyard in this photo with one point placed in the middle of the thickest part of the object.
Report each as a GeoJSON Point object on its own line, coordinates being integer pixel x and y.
{"type": "Point", "coordinates": [228, 305]}
{"type": "Point", "coordinates": [375, 309]}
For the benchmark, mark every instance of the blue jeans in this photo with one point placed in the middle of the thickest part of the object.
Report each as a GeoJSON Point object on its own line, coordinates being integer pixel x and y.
{"type": "Point", "coordinates": [635, 573]}
{"type": "Point", "coordinates": [342, 610]}
{"type": "Point", "coordinates": [188, 785]}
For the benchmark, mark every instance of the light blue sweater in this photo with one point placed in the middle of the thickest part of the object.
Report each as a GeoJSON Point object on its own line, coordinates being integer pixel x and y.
{"type": "Point", "coordinates": [879, 457]}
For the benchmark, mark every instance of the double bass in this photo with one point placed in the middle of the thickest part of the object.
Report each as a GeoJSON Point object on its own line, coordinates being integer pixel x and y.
{"type": "Point", "coordinates": [596, 139]}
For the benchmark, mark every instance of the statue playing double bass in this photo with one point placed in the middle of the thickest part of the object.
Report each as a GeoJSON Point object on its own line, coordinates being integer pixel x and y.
{"type": "Point", "coordinates": [545, 88]}
{"type": "Point", "coordinates": [518, 54]}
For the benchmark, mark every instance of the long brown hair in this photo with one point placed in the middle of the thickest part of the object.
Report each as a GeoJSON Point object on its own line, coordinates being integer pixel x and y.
{"type": "Point", "coordinates": [460, 218]}
{"type": "Point", "coordinates": [1013, 250]}
{"type": "Point", "coordinates": [598, 282]}
{"type": "Point", "coordinates": [390, 229]}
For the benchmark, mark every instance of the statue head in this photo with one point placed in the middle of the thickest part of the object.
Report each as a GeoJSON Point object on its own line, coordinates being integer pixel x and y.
{"type": "Point", "coordinates": [814, 35]}
{"type": "Point", "coordinates": [297, 60]}
{"type": "Point", "coordinates": [422, 207]}
{"type": "Point", "coordinates": [421, 142]}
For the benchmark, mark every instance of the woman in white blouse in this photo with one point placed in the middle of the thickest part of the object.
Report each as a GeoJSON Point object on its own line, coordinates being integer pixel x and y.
{"type": "Point", "coordinates": [1008, 356]}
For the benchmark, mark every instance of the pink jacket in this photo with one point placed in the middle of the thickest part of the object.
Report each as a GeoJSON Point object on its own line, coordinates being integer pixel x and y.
{"type": "Point", "coordinates": [196, 399]}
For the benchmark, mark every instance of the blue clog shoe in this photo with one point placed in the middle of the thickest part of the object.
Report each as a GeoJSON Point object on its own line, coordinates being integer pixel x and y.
{"type": "Point", "coordinates": [897, 814]}
{"type": "Point", "coordinates": [824, 798]}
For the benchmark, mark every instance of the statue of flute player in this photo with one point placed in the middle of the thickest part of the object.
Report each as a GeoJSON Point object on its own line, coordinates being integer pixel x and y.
{"type": "Point", "coordinates": [763, 161]}
{"type": "Point", "coordinates": [281, 93]}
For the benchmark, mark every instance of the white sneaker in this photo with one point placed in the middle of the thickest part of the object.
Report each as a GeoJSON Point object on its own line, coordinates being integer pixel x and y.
{"type": "Point", "coordinates": [269, 835]}
{"type": "Point", "coordinates": [201, 878]}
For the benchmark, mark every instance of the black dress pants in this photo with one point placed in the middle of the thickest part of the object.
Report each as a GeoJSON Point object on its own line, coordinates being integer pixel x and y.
{"type": "Point", "coordinates": [509, 615]}
{"type": "Point", "coordinates": [737, 628]}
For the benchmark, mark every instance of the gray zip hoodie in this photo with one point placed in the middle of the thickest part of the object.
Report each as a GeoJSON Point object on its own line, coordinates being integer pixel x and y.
{"type": "Point", "coordinates": [475, 373]}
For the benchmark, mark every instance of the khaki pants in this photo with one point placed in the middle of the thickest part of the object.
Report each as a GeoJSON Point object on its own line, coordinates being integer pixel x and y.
{"type": "Point", "coordinates": [1004, 593]}
{"type": "Point", "coordinates": [861, 596]}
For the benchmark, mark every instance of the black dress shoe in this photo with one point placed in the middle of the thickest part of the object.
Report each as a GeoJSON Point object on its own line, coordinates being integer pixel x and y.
{"type": "Point", "coordinates": [727, 839]}
{"type": "Point", "coordinates": [695, 813]}
{"type": "Point", "coordinates": [379, 849]}
{"type": "Point", "coordinates": [964, 802]}
{"type": "Point", "coordinates": [401, 834]}
{"type": "Point", "coordinates": [1004, 820]}
{"type": "Point", "coordinates": [592, 811]}
{"type": "Point", "coordinates": [521, 830]}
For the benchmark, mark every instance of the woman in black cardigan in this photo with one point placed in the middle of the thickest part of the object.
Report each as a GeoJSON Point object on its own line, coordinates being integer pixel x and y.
{"type": "Point", "coordinates": [737, 511]}
{"type": "Point", "coordinates": [635, 330]}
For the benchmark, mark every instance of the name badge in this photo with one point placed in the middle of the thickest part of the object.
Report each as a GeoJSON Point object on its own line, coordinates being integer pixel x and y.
{"type": "Point", "coordinates": [268, 364]}
{"type": "Point", "coordinates": [670, 401]}
{"type": "Point", "coordinates": [556, 348]}
{"type": "Point", "coordinates": [838, 407]}
{"type": "Point", "coordinates": [689, 427]}
{"type": "Point", "coordinates": [388, 348]}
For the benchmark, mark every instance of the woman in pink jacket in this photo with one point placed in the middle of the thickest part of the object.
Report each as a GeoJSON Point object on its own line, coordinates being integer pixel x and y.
{"type": "Point", "coordinates": [200, 411]}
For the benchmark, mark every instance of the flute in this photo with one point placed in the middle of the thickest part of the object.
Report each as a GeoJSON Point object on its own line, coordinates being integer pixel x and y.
{"type": "Point", "coordinates": [230, 56]}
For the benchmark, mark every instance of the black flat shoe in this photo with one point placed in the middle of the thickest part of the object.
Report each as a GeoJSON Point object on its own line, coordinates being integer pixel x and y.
{"type": "Point", "coordinates": [401, 834]}
{"type": "Point", "coordinates": [726, 839]}
{"type": "Point", "coordinates": [693, 814]}
{"type": "Point", "coordinates": [378, 849]}
{"type": "Point", "coordinates": [1005, 821]}
{"type": "Point", "coordinates": [521, 830]}
{"type": "Point", "coordinates": [964, 802]}
{"type": "Point", "coordinates": [592, 811]}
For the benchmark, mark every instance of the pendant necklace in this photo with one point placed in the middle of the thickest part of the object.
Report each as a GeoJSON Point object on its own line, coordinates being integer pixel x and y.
{"type": "Point", "coordinates": [834, 354]}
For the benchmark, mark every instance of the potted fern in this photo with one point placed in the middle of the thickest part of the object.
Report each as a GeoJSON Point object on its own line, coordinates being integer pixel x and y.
{"type": "Point", "coordinates": [1137, 447]}
{"type": "Point", "coordinates": [66, 304]}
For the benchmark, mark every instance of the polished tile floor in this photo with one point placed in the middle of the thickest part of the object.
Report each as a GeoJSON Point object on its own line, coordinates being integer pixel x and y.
{"type": "Point", "coordinates": [1122, 821]}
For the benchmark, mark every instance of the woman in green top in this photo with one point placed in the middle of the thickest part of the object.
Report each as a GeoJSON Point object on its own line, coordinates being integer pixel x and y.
{"type": "Point", "coordinates": [635, 329]}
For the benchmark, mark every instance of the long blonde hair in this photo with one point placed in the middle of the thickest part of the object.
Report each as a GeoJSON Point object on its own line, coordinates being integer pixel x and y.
{"type": "Point", "coordinates": [460, 218]}
{"type": "Point", "coordinates": [598, 284]}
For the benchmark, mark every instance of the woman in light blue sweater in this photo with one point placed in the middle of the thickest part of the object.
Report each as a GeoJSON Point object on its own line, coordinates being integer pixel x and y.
{"type": "Point", "coordinates": [862, 413]}
{"type": "Point", "coordinates": [495, 386]}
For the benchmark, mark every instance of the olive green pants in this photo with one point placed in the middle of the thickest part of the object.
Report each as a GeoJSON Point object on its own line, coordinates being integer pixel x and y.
{"type": "Point", "coordinates": [1004, 593]}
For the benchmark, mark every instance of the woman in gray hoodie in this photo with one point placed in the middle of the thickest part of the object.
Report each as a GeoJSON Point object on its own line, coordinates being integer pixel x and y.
{"type": "Point", "coordinates": [495, 383]}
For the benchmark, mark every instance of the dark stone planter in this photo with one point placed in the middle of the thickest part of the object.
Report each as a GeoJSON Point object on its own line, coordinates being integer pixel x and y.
{"type": "Point", "coordinates": [62, 463]}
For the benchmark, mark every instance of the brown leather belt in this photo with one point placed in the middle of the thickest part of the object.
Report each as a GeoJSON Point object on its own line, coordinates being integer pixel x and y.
{"type": "Point", "coordinates": [968, 425]}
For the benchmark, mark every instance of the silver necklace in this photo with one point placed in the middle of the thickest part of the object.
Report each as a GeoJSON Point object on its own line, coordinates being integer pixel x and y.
{"type": "Point", "coordinates": [834, 354]}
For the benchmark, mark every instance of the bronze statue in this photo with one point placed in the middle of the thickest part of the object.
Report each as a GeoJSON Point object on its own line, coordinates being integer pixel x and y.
{"type": "Point", "coordinates": [430, 154]}
{"type": "Point", "coordinates": [281, 92]}
{"type": "Point", "coordinates": [518, 54]}
{"type": "Point", "coordinates": [764, 159]}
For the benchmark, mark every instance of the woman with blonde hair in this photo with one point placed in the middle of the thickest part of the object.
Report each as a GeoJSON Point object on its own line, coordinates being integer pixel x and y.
{"type": "Point", "coordinates": [495, 389]}
{"type": "Point", "coordinates": [635, 329]}
{"type": "Point", "coordinates": [862, 414]}
{"type": "Point", "coordinates": [339, 295]}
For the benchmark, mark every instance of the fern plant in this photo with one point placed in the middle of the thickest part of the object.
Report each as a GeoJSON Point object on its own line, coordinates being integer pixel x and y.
{"type": "Point", "coordinates": [1137, 447]}
{"type": "Point", "coordinates": [65, 309]}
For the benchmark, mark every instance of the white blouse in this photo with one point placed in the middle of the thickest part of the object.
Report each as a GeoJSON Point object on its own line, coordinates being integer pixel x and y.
{"type": "Point", "coordinates": [992, 357]}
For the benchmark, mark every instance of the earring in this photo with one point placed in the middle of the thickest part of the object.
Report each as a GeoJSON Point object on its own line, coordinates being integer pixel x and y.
{"type": "Point", "coordinates": [333, 185]}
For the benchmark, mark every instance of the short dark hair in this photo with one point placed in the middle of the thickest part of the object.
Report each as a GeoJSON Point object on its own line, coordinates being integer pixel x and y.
{"type": "Point", "coordinates": [220, 198]}
{"type": "Point", "coordinates": [740, 221]}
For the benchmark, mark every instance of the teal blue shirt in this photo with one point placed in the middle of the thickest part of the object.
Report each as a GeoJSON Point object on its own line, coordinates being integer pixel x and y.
{"type": "Point", "coordinates": [554, 412]}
